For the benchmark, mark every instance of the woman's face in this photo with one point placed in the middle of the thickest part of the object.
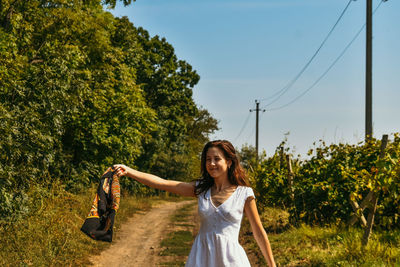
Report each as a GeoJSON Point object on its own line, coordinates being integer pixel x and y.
{"type": "Point", "coordinates": [216, 164]}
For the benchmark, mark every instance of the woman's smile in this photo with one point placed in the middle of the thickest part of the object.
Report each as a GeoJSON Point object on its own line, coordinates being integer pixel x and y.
{"type": "Point", "coordinates": [216, 164]}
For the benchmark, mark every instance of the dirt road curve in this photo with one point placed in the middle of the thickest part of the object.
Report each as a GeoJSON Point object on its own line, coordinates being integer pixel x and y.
{"type": "Point", "coordinates": [139, 238]}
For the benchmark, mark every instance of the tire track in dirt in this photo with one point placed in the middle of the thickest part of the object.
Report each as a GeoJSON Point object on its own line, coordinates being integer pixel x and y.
{"type": "Point", "coordinates": [138, 242]}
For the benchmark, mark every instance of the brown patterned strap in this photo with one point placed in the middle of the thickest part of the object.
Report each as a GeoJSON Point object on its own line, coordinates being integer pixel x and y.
{"type": "Point", "coordinates": [115, 193]}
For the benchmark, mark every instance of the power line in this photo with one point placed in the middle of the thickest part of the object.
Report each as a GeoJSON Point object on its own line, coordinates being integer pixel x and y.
{"type": "Point", "coordinates": [330, 67]}
{"type": "Point", "coordinates": [251, 134]}
{"type": "Point", "coordinates": [253, 130]}
{"type": "Point", "coordinates": [243, 127]}
{"type": "Point", "coordinates": [290, 84]}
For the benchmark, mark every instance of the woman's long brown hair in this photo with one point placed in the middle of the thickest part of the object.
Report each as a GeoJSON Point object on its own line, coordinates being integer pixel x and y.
{"type": "Point", "coordinates": [236, 173]}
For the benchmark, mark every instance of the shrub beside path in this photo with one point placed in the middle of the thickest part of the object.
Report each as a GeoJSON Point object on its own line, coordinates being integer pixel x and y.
{"type": "Point", "coordinates": [137, 243]}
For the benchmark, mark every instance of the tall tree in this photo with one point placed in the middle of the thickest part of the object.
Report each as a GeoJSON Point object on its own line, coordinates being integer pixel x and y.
{"type": "Point", "coordinates": [81, 89]}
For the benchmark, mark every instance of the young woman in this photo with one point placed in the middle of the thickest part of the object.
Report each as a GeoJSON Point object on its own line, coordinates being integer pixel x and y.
{"type": "Point", "coordinates": [223, 194]}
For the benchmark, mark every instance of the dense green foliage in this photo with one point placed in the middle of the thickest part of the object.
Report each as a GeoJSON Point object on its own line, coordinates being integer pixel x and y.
{"type": "Point", "coordinates": [81, 90]}
{"type": "Point", "coordinates": [326, 246]}
{"type": "Point", "coordinates": [332, 175]}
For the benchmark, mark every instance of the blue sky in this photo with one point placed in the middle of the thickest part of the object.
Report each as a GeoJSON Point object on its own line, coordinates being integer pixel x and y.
{"type": "Point", "coordinates": [248, 50]}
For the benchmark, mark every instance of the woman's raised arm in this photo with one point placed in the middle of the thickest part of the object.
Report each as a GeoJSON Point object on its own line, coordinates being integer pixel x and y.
{"type": "Point", "coordinates": [153, 181]}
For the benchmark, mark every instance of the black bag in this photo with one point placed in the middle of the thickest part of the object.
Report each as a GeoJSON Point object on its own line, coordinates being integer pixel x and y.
{"type": "Point", "coordinates": [99, 223]}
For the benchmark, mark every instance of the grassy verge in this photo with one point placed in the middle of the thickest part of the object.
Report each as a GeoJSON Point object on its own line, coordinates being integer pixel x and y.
{"type": "Point", "coordinates": [175, 247]}
{"type": "Point", "coordinates": [50, 235]}
{"type": "Point", "coordinates": [321, 246]}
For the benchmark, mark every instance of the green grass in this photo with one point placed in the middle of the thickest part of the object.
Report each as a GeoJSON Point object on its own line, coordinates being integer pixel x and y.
{"type": "Point", "coordinates": [332, 246]}
{"type": "Point", "coordinates": [176, 245]}
{"type": "Point", "coordinates": [326, 246]}
{"type": "Point", "coordinates": [176, 263]}
{"type": "Point", "coordinates": [50, 234]}
{"type": "Point", "coordinates": [182, 214]}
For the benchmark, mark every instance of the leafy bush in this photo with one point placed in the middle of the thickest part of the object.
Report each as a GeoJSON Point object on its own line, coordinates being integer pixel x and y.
{"type": "Point", "coordinates": [324, 184]}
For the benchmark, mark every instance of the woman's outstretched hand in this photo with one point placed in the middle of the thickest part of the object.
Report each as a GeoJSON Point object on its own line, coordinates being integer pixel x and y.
{"type": "Point", "coordinates": [121, 170]}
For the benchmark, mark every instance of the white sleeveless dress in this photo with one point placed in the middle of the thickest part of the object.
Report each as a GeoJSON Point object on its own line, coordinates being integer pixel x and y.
{"type": "Point", "coordinates": [217, 244]}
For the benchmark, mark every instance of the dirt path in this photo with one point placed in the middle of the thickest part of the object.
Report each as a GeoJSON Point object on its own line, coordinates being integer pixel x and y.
{"type": "Point", "coordinates": [139, 238]}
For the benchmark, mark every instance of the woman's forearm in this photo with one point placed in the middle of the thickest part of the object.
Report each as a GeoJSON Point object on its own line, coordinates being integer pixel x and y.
{"type": "Point", "coordinates": [147, 179]}
{"type": "Point", "coordinates": [263, 242]}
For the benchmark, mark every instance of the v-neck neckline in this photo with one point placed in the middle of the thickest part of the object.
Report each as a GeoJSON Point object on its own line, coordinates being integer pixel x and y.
{"type": "Point", "coordinates": [226, 200]}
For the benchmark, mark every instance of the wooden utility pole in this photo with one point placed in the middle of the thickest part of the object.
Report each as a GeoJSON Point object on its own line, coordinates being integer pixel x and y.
{"type": "Point", "coordinates": [290, 177]}
{"type": "Point", "coordinates": [257, 109]}
{"type": "Point", "coordinates": [282, 161]}
{"type": "Point", "coordinates": [374, 200]}
{"type": "Point", "coordinates": [368, 74]}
